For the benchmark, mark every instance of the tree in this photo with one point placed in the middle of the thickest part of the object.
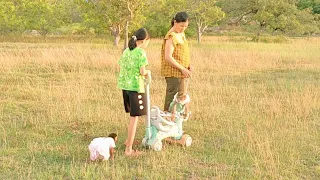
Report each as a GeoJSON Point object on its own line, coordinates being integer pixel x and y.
{"type": "Point", "coordinates": [22, 15]}
{"type": "Point", "coordinates": [205, 13]}
{"type": "Point", "coordinates": [313, 4]}
{"type": "Point", "coordinates": [133, 8]}
{"type": "Point", "coordinates": [118, 14]}
{"type": "Point", "coordinates": [160, 13]}
{"type": "Point", "coordinates": [40, 15]}
{"type": "Point", "coordinates": [310, 24]}
{"type": "Point", "coordinates": [274, 15]}
{"type": "Point", "coordinates": [202, 15]}
{"type": "Point", "coordinates": [9, 21]}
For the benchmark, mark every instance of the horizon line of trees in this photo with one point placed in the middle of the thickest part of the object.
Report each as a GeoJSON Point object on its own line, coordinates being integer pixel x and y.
{"type": "Point", "coordinates": [119, 18]}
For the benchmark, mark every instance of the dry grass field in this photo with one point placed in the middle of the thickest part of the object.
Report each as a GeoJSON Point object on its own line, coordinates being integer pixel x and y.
{"type": "Point", "coordinates": [255, 112]}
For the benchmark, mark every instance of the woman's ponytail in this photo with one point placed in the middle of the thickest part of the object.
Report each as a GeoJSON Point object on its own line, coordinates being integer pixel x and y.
{"type": "Point", "coordinates": [141, 34]}
{"type": "Point", "coordinates": [132, 43]}
{"type": "Point", "coordinates": [172, 22]}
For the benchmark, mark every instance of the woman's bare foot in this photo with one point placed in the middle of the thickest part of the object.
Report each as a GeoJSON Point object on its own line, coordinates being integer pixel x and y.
{"type": "Point", "coordinates": [133, 153]}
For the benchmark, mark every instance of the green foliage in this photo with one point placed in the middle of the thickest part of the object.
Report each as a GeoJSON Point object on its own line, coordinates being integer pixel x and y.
{"type": "Point", "coordinates": [93, 18]}
{"type": "Point", "coordinates": [159, 16]}
{"type": "Point", "coordinates": [313, 4]}
{"type": "Point", "coordinates": [202, 14]}
{"type": "Point", "coordinates": [270, 39]}
{"type": "Point", "coordinates": [40, 15]}
{"type": "Point", "coordinates": [308, 23]}
{"type": "Point", "coordinates": [272, 16]}
{"type": "Point", "coordinates": [116, 16]}
{"type": "Point", "coordinates": [9, 21]}
{"type": "Point", "coordinates": [75, 29]}
{"type": "Point", "coordinates": [157, 25]}
{"type": "Point", "coordinates": [205, 14]}
{"type": "Point", "coordinates": [289, 17]}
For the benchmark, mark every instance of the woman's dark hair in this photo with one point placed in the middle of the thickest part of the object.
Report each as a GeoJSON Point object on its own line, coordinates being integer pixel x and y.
{"type": "Point", "coordinates": [141, 34]}
{"type": "Point", "coordinates": [113, 136]}
{"type": "Point", "coordinates": [180, 17]}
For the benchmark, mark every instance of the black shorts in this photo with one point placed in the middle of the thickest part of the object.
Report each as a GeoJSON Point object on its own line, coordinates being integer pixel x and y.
{"type": "Point", "coordinates": [134, 103]}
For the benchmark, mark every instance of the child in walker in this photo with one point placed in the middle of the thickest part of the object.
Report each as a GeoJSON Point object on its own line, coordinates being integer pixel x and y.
{"type": "Point", "coordinates": [180, 103]}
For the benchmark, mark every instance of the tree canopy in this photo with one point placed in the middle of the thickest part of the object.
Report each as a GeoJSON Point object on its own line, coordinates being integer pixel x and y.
{"type": "Point", "coordinates": [119, 18]}
{"type": "Point", "coordinates": [272, 15]}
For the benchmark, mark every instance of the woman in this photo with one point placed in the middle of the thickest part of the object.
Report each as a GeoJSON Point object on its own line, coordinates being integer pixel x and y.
{"type": "Point", "coordinates": [175, 59]}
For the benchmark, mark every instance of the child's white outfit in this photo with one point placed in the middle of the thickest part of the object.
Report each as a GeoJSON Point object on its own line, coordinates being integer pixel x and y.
{"type": "Point", "coordinates": [101, 146]}
{"type": "Point", "coordinates": [180, 105]}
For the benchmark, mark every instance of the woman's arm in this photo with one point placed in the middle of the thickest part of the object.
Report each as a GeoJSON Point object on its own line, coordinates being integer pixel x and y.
{"type": "Point", "coordinates": [169, 48]}
{"type": "Point", "coordinates": [144, 71]}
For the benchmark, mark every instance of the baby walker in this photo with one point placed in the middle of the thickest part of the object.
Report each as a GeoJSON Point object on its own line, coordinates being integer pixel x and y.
{"type": "Point", "coordinates": [158, 128]}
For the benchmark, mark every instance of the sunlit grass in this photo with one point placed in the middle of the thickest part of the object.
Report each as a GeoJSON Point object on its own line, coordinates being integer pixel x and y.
{"type": "Point", "coordinates": [255, 112]}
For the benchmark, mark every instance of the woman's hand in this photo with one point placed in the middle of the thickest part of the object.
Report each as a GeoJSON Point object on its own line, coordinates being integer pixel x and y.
{"type": "Point", "coordinates": [186, 73]}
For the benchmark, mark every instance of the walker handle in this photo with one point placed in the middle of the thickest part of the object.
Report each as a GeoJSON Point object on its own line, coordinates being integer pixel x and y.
{"type": "Point", "coordinates": [148, 78]}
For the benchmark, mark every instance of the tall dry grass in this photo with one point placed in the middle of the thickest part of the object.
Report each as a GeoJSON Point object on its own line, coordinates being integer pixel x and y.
{"type": "Point", "coordinates": [255, 112]}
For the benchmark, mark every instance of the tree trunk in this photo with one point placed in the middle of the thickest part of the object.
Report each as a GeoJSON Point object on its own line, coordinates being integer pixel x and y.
{"type": "Point", "coordinates": [259, 33]}
{"type": "Point", "coordinates": [116, 40]}
{"type": "Point", "coordinates": [199, 34]}
{"type": "Point", "coordinates": [115, 31]}
{"type": "Point", "coordinates": [126, 40]}
{"type": "Point", "coordinates": [262, 27]}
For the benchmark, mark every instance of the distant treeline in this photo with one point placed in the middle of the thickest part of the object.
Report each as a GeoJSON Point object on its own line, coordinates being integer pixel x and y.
{"type": "Point", "coordinates": [120, 17]}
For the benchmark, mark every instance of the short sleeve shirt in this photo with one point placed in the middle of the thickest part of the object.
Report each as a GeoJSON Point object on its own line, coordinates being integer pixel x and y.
{"type": "Point", "coordinates": [130, 63]}
{"type": "Point", "coordinates": [181, 54]}
{"type": "Point", "coordinates": [102, 145]}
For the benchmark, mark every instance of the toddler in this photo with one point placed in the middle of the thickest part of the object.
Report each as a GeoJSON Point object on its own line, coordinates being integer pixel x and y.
{"type": "Point", "coordinates": [180, 106]}
{"type": "Point", "coordinates": [103, 147]}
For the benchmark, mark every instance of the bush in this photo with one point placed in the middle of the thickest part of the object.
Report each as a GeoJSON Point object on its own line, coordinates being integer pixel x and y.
{"type": "Point", "coordinates": [269, 39]}
{"type": "Point", "coordinates": [74, 29]}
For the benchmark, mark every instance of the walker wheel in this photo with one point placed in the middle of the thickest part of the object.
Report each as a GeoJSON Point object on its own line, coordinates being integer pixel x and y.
{"type": "Point", "coordinates": [157, 146]}
{"type": "Point", "coordinates": [187, 140]}
{"type": "Point", "coordinates": [145, 143]}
